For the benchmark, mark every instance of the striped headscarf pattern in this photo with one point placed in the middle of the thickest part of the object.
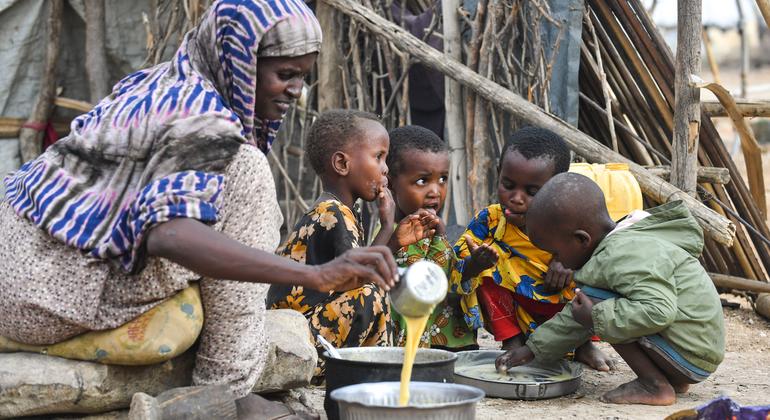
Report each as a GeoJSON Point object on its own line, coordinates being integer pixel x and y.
{"type": "Point", "coordinates": [156, 148]}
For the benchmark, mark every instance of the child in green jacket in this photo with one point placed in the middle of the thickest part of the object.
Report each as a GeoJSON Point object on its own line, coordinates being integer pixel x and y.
{"type": "Point", "coordinates": [642, 290]}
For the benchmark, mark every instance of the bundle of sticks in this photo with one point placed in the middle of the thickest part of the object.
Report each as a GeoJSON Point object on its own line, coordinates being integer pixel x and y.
{"type": "Point", "coordinates": [621, 42]}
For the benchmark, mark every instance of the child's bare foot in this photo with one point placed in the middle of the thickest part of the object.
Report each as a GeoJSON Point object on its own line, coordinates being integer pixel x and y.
{"type": "Point", "coordinates": [513, 342]}
{"type": "Point", "coordinates": [590, 355]}
{"type": "Point", "coordinates": [638, 392]}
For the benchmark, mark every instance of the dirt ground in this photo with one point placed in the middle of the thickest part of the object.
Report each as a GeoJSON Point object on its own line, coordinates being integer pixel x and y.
{"type": "Point", "coordinates": [744, 376]}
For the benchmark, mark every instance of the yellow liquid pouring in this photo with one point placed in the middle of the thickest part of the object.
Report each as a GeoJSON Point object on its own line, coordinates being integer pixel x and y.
{"type": "Point", "coordinates": [414, 329]}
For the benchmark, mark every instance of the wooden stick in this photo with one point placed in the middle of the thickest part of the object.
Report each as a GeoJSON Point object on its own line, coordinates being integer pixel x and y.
{"type": "Point", "coordinates": [329, 75]}
{"type": "Point", "coordinates": [10, 127]}
{"type": "Point", "coordinates": [752, 153]}
{"type": "Point", "coordinates": [764, 8]}
{"type": "Point", "coordinates": [710, 55]}
{"type": "Point", "coordinates": [453, 102]}
{"type": "Point", "coordinates": [739, 283]}
{"type": "Point", "coordinates": [684, 160]}
{"type": "Point", "coordinates": [74, 104]}
{"type": "Point", "coordinates": [714, 225]}
{"type": "Point", "coordinates": [605, 86]}
{"type": "Point", "coordinates": [705, 174]}
{"type": "Point", "coordinates": [746, 108]}
{"type": "Point", "coordinates": [31, 139]}
{"type": "Point", "coordinates": [96, 54]}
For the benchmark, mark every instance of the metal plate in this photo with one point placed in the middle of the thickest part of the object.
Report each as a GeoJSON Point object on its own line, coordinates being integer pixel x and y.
{"type": "Point", "coordinates": [528, 386]}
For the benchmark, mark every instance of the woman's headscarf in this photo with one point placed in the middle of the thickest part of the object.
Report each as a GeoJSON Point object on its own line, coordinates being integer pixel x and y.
{"type": "Point", "coordinates": [156, 148]}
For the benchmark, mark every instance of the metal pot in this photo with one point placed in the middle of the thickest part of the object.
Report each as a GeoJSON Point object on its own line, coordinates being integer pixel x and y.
{"type": "Point", "coordinates": [380, 364]}
{"type": "Point", "coordinates": [428, 401]}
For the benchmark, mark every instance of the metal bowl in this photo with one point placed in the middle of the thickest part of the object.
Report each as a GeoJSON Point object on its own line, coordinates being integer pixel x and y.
{"type": "Point", "coordinates": [531, 389]}
{"type": "Point", "coordinates": [428, 401]}
{"type": "Point", "coordinates": [382, 364]}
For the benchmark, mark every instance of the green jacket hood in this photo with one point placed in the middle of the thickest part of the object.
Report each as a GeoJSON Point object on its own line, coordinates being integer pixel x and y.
{"type": "Point", "coordinates": [671, 222]}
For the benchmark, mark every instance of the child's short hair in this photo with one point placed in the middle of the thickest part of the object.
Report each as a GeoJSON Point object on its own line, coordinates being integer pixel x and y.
{"type": "Point", "coordinates": [411, 137]}
{"type": "Point", "coordinates": [535, 142]}
{"type": "Point", "coordinates": [331, 132]}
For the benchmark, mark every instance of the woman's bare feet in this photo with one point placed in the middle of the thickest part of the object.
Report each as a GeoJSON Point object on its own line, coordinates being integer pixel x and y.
{"type": "Point", "coordinates": [590, 355]}
{"type": "Point", "coordinates": [639, 392]}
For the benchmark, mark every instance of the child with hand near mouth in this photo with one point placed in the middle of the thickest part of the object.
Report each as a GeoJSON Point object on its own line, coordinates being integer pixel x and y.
{"type": "Point", "coordinates": [348, 151]}
{"type": "Point", "coordinates": [509, 285]}
{"type": "Point", "coordinates": [418, 161]}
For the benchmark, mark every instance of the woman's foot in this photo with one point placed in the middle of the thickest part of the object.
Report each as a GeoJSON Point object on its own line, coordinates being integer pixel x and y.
{"type": "Point", "coordinates": [639, 392]}
{"type": "Point", "coordinates": [590, 355]}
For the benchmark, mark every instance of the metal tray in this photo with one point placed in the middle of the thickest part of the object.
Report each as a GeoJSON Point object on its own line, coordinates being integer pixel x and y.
{"type": "Point", "coordinates": [535, 388]}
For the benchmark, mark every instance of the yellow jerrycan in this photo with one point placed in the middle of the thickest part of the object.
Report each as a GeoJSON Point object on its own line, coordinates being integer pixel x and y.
{"type": "Point", "coordinates": [621, 191]}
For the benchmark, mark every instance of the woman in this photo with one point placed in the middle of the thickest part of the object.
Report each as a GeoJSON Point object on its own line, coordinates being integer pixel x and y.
{"type": "Point", "coordinates": [165, 182]}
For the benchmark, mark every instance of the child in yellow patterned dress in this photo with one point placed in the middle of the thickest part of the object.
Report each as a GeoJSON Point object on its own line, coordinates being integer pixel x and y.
{"type": "Point", "coordinates": [508, 285]}
{"type": "Point", "coordinates": [347, 149]}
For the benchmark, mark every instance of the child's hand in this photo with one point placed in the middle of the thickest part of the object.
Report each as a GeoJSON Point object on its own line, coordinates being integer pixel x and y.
{"type": "Point", "coordinates": [482, 257]}
{"type": "Point", "coordinates": [418, 225]}
{"type": "Point", "coordinates": [513, 357]}
{"type": "Point", "coordinates": [386, 206]}
{"type": "Point", "coordinates": [557, 277]}
{"type": "Point", "coordinates": [581, 309]}
{"type": "Point", "coordinates": [440, 227]}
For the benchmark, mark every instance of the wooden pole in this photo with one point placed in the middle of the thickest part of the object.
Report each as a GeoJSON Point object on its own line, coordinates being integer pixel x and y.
{"type": "Point", "coordinates": [739, 283]}
{"type": "Point", "coordinates": [745, 108]}
{"type": "Point", "coordinates": [705, 174]}
{"type": "Point", "coordinates": [31, 136]}
{"type": "Point", "coordinates": [96, 54]}
{"type": "Point", "coordinates": [329, 58]}
{"type": "Point", "coordinates": [684, 160]}
{"type": "Point", "coordinates": [714, 225]}
{"type": "Point", "coordinates": [744, 48]}
{"type": "Point", "coordinates": [455, 127]}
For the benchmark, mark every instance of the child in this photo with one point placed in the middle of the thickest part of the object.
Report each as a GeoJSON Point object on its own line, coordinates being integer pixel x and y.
{"type": "Point", "coordinates": [507, 283]}
{"type": "Point", "coordinates": [347, 149]}
{"type": "Point", "coordinates": [662, 313]}
{"type": "Point", "coordinates": [418, 163]}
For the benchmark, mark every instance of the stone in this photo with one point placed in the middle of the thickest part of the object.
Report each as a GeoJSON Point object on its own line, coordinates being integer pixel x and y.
{"type": "Point", "coordinates": [35, 384]}
{"type": "Point", "coordinates": [291, 357]}
{"type": "Point", "coordinates": [186, 403]}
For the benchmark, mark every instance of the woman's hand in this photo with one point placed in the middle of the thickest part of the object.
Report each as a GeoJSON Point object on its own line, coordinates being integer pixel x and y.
{"type": "Point", "coordinates": [357, 267]}
{"type": "Point", "coordinates": [411, 229]}
{"type": "Point", "coordinates": [581, 310]}
{"type": "Point", "coordinates": [557, 277]}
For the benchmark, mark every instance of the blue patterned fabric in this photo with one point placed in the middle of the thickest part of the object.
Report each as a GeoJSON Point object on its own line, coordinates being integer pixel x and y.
{"type": "Point", "coordinates": [156, 148]}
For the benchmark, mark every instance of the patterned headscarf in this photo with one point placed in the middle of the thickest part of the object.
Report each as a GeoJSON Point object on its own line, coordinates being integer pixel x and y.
{"type": "Point", "coordinates": [156, 148]}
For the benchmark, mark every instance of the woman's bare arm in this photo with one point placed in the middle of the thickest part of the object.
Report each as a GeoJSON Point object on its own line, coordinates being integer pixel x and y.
{"type": "Point", "coordinates": [200, 248]}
